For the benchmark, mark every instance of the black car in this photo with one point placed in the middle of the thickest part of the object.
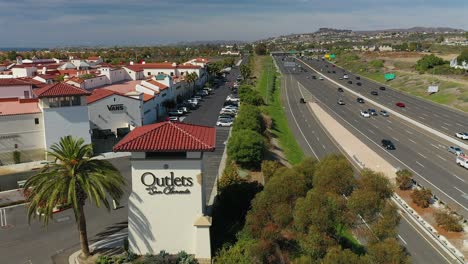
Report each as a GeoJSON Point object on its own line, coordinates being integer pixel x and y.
{"type": "Point", "coordinates": [314, 77]}
{"type": "Point", "coordinates": [302, 101]}
{"type": "Point", "coordinates": [360, 100]}
{"type": "Point", "coordinates": [340, 89]}
{"type": "Point", "coordinates": [328, 71]}
{"type": "Point", "coordinates": [334, 71]}
{"type": "Point", "coordinates": [374, 93]}
{"type": "Point", "coordinates": [358, 78]}
{"type": "Point", "coordinates": [387, 144]}
{"type": "Point", "coordinates": [372, 112]}
{"type": "Point", "coordinates": [350, 82]}
{"type": "Point", "coordinates": [358, 84]}
{"type": "Point", "coordinates": [382, 88]}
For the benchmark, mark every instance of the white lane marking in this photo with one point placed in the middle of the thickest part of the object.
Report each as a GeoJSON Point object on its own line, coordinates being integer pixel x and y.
{"type": "Point", "coordinates": [390, 128]}
{"type": "Point", "coordinates": [422, 117]}
{"type": "Point", "coordinates": [389, 121]}
{"type": "Point", "coordinates": [434, 146]}
{"type": "Point", "coordinates": [444, 127]}
{"type": "Point", "coordinates": [459, 190]}
{"type": "Point", "coordinates": [456, 176]}
{"type": "Point", "coordinates": [446, 124]}
{"type": "Point", "coordinates": [414, 142]}
{"type": "Point", "coordinates": [422, 155]}
{"type": "Point", "coordinates": [318, 139]}
{"type": "Point", "coordinates": [3, 219]}
{"type": "Point", "coordinates": [402, 240]}
{"type": "Point", "coordinates": [375, 126]}
{"type": "Point", "coordinates": [424, 114]}
{"type": "Point", "coordinates": [371, 131]}
{"type": "Point", "coordinates": [459, 124]}
{"type": "Point", "coordinates": [324, 146]}
{"type": "Point", "coordinates": [409, 132]}
{"type": "Point", "coordinates": [440, 157]}
{"type": "Point", "coordinates": [396, 139]}
{"type": "Point", "coordinates": [420, 164]}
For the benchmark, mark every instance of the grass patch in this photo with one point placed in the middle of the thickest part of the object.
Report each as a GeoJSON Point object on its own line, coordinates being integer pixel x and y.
{"type": "Point", "coordinates": [269, 87]}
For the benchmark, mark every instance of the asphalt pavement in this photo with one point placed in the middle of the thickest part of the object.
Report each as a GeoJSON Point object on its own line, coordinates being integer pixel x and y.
{"type": "Point", "coordinates": [315, 142]}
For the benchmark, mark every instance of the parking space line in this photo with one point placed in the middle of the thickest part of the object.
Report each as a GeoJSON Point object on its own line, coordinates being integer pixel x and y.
{"type": "Point", "coordinates": [389, 121]}
{"type": "Point", "coordinates": [434, 146]}
{"type": "Point", "coordinates": [422, 155]}
{"type": "Point", "coordinates": [402, 240]}
{"type": "Point", "coordinates": [414, 142]}
{"type": "Point", "coordinates": [409, 132]}
{"type": "Point", "coordinates": [389, 128]}
{"type": "Point", "coordinates": [444, 127]}
{"type": "Point", "coordinates": [371, 131]}
{"type": "Point", "coordinates": [456, 176]}
{"type": "Point", "coordinates": [396, 139]}
{"type": "Point", "coordinates": [458, 189]}
{"type": "Point", "coordinates": [420, 164]}
{"type": "Point", "coordinates": [440, 157]}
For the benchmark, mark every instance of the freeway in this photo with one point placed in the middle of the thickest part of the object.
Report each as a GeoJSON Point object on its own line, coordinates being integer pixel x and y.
{"type": "Point", "coordinates": [423, 153]}
{"type": "Point", "coordinates": [444, 119]}
{"type": "Point", "coordinates": [315, 142]}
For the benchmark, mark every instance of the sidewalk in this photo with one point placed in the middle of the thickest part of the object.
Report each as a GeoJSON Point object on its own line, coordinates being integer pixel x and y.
{"type": "Point", "coordinates": [11, 197]}
{"type": "Point", "coordinates": [112, 244]}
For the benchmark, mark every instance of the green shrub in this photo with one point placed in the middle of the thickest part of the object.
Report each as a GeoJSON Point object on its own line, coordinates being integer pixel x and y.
{"type": "Point", "coordinates": [184, 258]}
{"type": "Point", "coordinates": [404, 179]}
{"type": "Point", "coordinates": [428, 62]}
{"type": "Point", "coordinates": [230, 176]}
{"type": "Point", "coordinates": [376, 63]}
{"type": "Point", "coordinates": [269, 168]}
{"type": "Point", "coordinates": [250, 96]}
{"type": "Point", "coordinates": [16, 157]}
{"type": "Point", "coordinates": [448, 221]}
{"type": "Point", "coordinates": [422, 197]}
{"type": "Point", "coordinates": [249, 118]}
{"type": "Point", "coordinates": [103, 260]}
{"type": "Point", "coordinates": [246, 148]}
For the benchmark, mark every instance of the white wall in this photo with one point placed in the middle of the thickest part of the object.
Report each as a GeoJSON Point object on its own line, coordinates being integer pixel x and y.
{"type": "Point", "coordinates": [150, 113]}
{"type": "Point", "coordinates": [100, 117]}
{"type": "Point", "coordinates": [165, 221]}
{"type": "Point", "coordinates": [15, 91]}
{"type": "Point", "coordinates": [64, 121]}
{"type": "Point", "coordinates": [116, 75]}
{"type": "Point", "coordinates": [148, 72]}
{"type": "Point", "coordinates": [95, 82]}
{"type": "Point", "coordinates": [23, 72]}
{"type": "Point", "coordinates": [21, 130]}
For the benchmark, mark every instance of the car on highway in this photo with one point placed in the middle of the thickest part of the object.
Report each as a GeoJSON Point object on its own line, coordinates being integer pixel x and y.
{"type": "Point", "coordinates": [384, 113]}
{"type": "Point", "coordinates": [374, 93]}
{"type": "Point", "coordinates": [462, 135]}
{"type": "Point", "coordinates": [350, 82]}
{"type": "Point", "coordinates": [372, 112]}
{"type": "Point", "coordinates": [360, 100]}
{"type": "Point", "coordinates": [382, 88]}
{"type": "Point", "coordinates": [314, 77]}
{"type": "Point", "coordinates": [358, 83]}
{"type": "Point", "coordinates": [400, 104]}
{"type": "Point", "coordinates": [340, 89]}
{"type": "Point", "coordinates": [321, 78]}
{"type": "Point", "coordinates": [462, 160]}
{"type": "Point", "coordinates": [224, 122]}
{"type": "Point", "coordinates": [302, 101]}
{"type": "Point", "coordinates": [388, 144]}
{"type": "Point", "coordinates": [364, 113]}
{"type": "Point", "coordinates": [456, 150]}
{"type": "Point", "coordinates": [341, 102]}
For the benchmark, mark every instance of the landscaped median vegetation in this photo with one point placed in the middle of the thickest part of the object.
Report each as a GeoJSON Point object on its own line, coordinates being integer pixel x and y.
{"type": "Point", "coordinates": [304, 213]}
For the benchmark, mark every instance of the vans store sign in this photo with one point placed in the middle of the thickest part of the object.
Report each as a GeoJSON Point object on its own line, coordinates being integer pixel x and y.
{"type": "Point", "coordinates": [166, 185]}
{"type": "Point", "coordinates": [115, 107]}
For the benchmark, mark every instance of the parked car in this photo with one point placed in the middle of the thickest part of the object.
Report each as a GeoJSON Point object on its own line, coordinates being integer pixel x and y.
{"type": "Point", "coordinates": [372, 112]}
{"type": "Point", "coordinates": [302, 101]}
{"type": "Point", "coordinates": [231, 107]}
{"type": "Point", "coordinates": [400, 104]}
{"type": "Point", "coordinates": [184, 109]}
{"type": "Point", "coordinates": [340, 89]}
{"type": "Point", "coordinates": [388, 144]}
{"type": "Point", "coordinates": [341, 102]}
{"type": "Point", "coordinates": [321, 78]}
{"type": "Point", "coordinates": [172, 118]}
{"type": "Point", "coordinates": [227, 114]}
{"type": "Point", "coordinates": [364, 113]}
{"type": "Point", "coordinates": [358, 78]}
{"type": "Point", "coordinates": [345, 76]}
{"type": "Point", "coordinates": [350, 82]}
{"type": "Point", "coordinates": [358, 84]}
{"type": "Point", "coordinates": [197, 97]}
{"type": "Point", "coordinates": [456, 150]}
{"type": "Point", "coordinates": [374, 93]}
{"type": "Point", "coordinates": [462, 135]}
{"type": "Point", "coordinates": [360, 100]}
{"type": "Point", "coordinates": [224, 122]}
{"type": "Point", "coordinates": [383, 113]}
{"type": "Point", "coordinates": [341, 78]}
{"type": "Point", "coordinates": [314, 77]}
{"type": "Point", "coordinates": [382, 88]}
{"type": "Point", "coordinates": [334, 71]}
{"type": "Point", "coordinates": [176, 113]}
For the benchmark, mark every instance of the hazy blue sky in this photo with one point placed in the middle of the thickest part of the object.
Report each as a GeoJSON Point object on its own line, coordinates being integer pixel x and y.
{"type": "Point", "coordinates": [45, 23]}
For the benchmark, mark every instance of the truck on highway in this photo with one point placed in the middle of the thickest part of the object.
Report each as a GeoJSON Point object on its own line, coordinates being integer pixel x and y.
{"type": "Point", "coordinates": [462, 160]}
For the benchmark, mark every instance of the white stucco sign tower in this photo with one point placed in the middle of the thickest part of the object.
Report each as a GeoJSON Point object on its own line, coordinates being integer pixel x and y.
{"type": "Point", "coordinates": [167, 203]}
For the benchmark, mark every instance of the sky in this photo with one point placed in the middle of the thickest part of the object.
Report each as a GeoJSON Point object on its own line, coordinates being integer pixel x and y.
{"type": "Point", "coordinates": [55, 23]}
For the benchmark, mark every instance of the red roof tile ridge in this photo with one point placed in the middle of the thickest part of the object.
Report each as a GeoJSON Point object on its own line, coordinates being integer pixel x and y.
{"type": "Point", "coordinates": [190, 135]}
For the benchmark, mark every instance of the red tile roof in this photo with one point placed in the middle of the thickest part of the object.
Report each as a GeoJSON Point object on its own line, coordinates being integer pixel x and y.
{"type": "Point", "coordinates": [12, 82]}
{"type": "Point", "coordinates": [93, 58]}
{"type": "Point", "coordinates": [59, 89]}
{"type": "Point", "coordinates": [16, 106]}
{"type": "Point", "coordinates": [76, 80]}
{"type": "Point", "coordinates": [147, 97]}
{"type": "Point", "coordinates": [102, 93]}
{"type": "Point", "coordinates": [135, 68]}
{"type": "Point", "coordinates": [168, 137]}
{"type": "Point", "coordinates": [35, 83]}
{"type": "Point", "coordinates": [158, 84]}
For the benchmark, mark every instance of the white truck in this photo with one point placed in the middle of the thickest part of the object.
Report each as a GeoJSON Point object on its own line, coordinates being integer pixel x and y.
{"type": "Point", "coordinates": [462, 160]}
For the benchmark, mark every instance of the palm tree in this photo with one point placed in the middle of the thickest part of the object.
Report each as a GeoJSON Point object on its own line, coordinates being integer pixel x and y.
{"type": "Point", "coordinates": [73, 177]}
{"type": "Point", "coordinates": [191, 78]}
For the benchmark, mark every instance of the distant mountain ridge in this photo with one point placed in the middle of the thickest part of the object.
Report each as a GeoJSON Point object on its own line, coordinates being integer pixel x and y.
{"type": "Point", "coordinates": [413, 30]}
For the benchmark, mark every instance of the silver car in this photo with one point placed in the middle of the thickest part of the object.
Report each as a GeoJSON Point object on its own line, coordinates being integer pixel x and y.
{"type": "Point", "coordinates": [455, 150]}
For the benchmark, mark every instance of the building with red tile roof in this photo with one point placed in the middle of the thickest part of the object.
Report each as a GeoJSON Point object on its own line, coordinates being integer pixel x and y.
{"type": "Point", "coordinates": [13, 87]}
{"type": "Point", "coordinates": [59, 89]}
{"type": "Point", "coordinates": [168, 137]}
{"type": "Point", "coordinates": [16, 106]}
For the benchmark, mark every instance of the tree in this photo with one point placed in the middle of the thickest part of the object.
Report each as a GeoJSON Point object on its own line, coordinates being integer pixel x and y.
{"type": "Point", "coordinates": [230, 176]}
{"type": "Point", "coordinates": [249, 117]}
{"type": "Point", "coordinates": [404, 179]}
{"type": "Point", "coordinates": [72, 178]}
{"type": "Point", "coordinates": [214, 68]}
{"type": "Point", "coordinates": [385, 226]}
{"type": "Point", "coordinates": [337, 255]}
{"type": "Point", "coordinates": [334, 174]}
{"type": "Point", "coordinates": [245, 71]}
{"type": "Point", "coordinates": [428, 62]}
{"type": "Point", "coordinates": [422, 197]}
{"type": "Point", "coordinates": [261, 49]}
{"type": "Point", "coordinates": [60, 78]}
{"type": "Point", "coordinates": [246, 147]}
{"type": "Point", "coordinates": [269, 167]}
{"type": "Point", "coordinates": [448, 221]}
{"type": "Point", "coordinates": [387, 251]}
{"type": "Point", "coordinates": [463, 56]}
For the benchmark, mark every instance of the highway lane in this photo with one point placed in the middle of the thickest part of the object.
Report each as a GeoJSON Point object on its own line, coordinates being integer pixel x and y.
{"type": "Point", "coordinates": [426, 155]}
{"type": "Point", "coordinates": [444, 119]}
{"type": "Point", "coordinates": [315, 142]}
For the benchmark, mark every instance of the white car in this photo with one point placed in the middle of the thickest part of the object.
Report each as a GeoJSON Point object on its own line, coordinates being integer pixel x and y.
{"type": "Point", "coordinates": [462, 135]}
{"type": "Point", "coordinates": [462, 160]}
{"type": "Point", "coordinates": [320, 78]}
{"type": "Point", "coordinates": [232, 99]}
{"type": "Point", "coordinates": [193, 101]}
{"type": "Point", "coordinates": [364, 113]}
{"type": "Point", "coordinates": [345, 76]}
{"type": "Point", "coordinates": [230, 107]}
{"type": "Point", "coordinates": [224, 122]}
